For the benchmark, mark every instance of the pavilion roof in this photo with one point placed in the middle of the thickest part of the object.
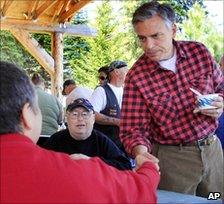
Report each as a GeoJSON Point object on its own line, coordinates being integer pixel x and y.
{"type": "Point", "coordinates": [43, 16]}
{"type": "Point", "coordinates": [42, 12]}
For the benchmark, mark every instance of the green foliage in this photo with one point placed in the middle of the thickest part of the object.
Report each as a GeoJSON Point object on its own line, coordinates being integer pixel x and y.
{"type": "Point", "coordinates": [12, 51]}
{"type": "Point", "coordinates": [44, 40]}
{"type": "Point", "coordinates": [182, 7]}
{"type": "Point", "coordinates": [74, 47]}
{"type": "Point", "coordinates": [198, 27]}
{"type": "Point", "coordinates": [103, 48]}
{"type": "Point", "coordinates": [129, 46]}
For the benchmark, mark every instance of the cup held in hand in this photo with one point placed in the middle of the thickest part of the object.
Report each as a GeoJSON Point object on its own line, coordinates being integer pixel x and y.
{"type": "Point", "coordinates": [204, 101]}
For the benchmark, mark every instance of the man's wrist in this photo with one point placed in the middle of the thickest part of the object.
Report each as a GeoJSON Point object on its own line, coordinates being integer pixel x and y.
{"type": "Point", "coordinates": [139, 149]}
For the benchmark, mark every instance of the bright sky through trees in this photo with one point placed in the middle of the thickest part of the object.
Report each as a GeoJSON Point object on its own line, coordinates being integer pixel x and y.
{"type": "Point", "coordinates": [214, 7]}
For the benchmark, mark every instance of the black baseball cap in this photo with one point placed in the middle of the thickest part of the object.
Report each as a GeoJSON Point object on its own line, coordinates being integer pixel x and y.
{"type": "Point", "coordinates": [117, 65]}
{"type": "Point", "coordinates": [67, 83]}
{"type": "Point", "coordinates": [80, 102]}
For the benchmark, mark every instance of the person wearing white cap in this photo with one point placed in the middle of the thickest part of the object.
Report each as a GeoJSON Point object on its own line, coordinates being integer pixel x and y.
{"type": "Point", "coordinates": [107, 100]}
{"type": "Point", "coordinates": [73, 91]}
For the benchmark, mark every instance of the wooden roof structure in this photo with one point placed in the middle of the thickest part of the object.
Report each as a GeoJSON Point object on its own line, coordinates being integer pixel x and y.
{"type": "Point", "coordinates": [21, 17]}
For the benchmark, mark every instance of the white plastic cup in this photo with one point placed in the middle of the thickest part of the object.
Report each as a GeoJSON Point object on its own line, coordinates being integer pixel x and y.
{"type": "Point", "coordinates": [204, 101]}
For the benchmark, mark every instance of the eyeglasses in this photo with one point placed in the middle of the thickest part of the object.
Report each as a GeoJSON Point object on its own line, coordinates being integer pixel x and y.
{"type": "Point", "coordinates": [102, 78]}
{"type": "Point", "coordinates": [76, 115]}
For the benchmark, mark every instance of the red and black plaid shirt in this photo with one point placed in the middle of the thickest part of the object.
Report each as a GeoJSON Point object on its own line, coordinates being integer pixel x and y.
{"type": "Point", "coordinates": [158, 104]}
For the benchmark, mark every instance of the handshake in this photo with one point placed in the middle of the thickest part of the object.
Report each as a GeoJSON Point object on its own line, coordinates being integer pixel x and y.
{"type": "Point", "coordinates": [146, 157]}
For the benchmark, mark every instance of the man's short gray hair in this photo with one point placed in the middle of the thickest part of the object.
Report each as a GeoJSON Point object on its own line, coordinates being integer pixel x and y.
{"type": "Point", "coordinates": [150, 9]}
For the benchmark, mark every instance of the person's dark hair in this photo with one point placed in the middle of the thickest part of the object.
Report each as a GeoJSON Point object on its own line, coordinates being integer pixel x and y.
{"type": "Point", "coordinates": [16, 90]}
{"type": "Point", "coordinates": [37, 79]}
{"type": "Point", "coordinates": [67, 83]}
{"type": "Point", "coordinates": [150, 9]}
{"type": "Point", "coordinates": [104, 69]}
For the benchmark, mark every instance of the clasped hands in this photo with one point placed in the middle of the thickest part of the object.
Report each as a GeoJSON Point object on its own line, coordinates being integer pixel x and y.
{"type": "Point", "coordinates": [140, 159]}
{"type": "Point", "coordinates": [146, 157]}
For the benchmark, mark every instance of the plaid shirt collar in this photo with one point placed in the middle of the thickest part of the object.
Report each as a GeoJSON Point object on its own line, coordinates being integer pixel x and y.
{"type": "Point", "coordinates": [153, 66]}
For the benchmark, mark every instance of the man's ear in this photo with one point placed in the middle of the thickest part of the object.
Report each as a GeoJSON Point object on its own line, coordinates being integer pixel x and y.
{"type": "Point", "coordinates": [94, 117]}
{"type": "Point", "coordinates": [26, 117]}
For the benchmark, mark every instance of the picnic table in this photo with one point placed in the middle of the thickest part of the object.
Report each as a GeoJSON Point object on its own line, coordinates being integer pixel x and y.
{"type": "Point", "coordinates": [167, 197]}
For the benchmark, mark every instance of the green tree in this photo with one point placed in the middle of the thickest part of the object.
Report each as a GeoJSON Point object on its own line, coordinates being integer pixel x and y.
{"type": "Point", "coordinates": [74, 46]}
{"type": "Point", "coordinates": [198, 27]}
{"type": "Point", "coordinates": [103, 48]}
{"type": "Point", "coordinates": [12, 51]}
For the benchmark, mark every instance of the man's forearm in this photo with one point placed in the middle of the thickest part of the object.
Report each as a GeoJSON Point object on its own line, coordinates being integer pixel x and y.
{"type": "Point", "coordinates": [106, 120]}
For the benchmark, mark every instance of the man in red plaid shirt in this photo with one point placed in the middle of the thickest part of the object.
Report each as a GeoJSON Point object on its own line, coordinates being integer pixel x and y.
{"type": "Point", "coordinates": [159, 113]}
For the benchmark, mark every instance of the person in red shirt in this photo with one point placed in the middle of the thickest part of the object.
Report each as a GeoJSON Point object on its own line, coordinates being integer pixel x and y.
{"type": "Point", "coordinates": [30, 174]}
{"type": "Point", "coordinates": [158, 112]}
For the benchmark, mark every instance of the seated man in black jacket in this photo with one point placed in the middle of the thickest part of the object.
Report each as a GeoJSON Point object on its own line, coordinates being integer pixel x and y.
{"type": "Point", "coordinates": [80, 140]}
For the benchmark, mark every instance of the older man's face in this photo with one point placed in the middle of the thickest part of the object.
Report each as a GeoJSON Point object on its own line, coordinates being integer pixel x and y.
{"type": "Point", "coordinates": [156, 38]}
{"type": "Point", "coordinates": [80, 123]}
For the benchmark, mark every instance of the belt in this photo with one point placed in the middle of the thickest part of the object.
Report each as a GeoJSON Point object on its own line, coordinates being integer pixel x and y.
{"type": "Point", "coordinates": [206, 141]}
{"type": "Point", "coordinates": [201, 142]}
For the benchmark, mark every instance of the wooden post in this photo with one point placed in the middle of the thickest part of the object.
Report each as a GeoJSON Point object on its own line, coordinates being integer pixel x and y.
{"type": "Point", "coordinates": [57, 77]}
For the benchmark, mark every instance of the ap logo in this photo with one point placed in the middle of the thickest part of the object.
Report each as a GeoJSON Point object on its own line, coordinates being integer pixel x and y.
{"type": "Point", "coordinates": [214, 195]}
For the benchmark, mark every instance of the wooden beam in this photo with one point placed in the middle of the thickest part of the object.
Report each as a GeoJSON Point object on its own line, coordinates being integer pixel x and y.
{"type": "Point", "coordinates": [64, 8]}
{"type": "Point", "coordinates": [72, 10]}
{"type": "Point", "coordinates": [5, 7]}
{"type": "Point", "coordinates": [31, 9]}
{"type": "Point", "coordinates": [35, 49]}
{"type": "Point", "coordinates": [57, 77]}
{"type": "Point", "coordinates": [57, 10]}
{"type": "Point", "coordinates": [78, 30]}
{"type": "Point", "coordinates": [35, 5]}
{"type": "Point", "coordinates": [2, 4]}
{"type": "Point", "coordinates": [45, 6]}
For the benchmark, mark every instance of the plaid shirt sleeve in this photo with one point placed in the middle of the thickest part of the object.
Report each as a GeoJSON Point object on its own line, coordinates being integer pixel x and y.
{"type": "Point", "coordinates": [135, 118]}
